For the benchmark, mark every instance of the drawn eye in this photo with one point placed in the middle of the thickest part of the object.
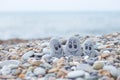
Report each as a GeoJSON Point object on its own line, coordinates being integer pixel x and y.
{"type": "Point", "coordinates": [75, 46]}
{"type": "Point", "coordinates": [56, 48]}
{"type": "Point", "coordinates": [90, 48]}
{"type": "Point", "coordinates": [39, 56]}
{"type": "Point", "coordinates": [32, 55]}
{"type": "Point", "coordinates": [86, 47]}
{"type": "Point", "coordinates": [70, 46]}
{"type": "Point", "coordinates": [59, 46]}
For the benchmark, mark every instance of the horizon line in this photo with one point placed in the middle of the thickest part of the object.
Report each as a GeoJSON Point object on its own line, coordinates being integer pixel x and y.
{"type": "Point", "coordinates": [60, 11]}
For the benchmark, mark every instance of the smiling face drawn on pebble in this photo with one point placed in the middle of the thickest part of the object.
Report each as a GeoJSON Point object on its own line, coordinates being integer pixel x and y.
{"type": "Point", "coordinates": [56, 47]}
{"type": "Point", "coordinates": [88, 47]}
{"type": "Point", "coordinates": [73, 46]}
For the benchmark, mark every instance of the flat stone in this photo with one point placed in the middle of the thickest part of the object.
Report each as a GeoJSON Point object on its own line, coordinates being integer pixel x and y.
{"type": "Point", "coordinates": [27, 55]}
{"type": "Point", "coordinates": [9, 62]}
{"type": "Point", "coordinates": [83, 67]}
{"type": "Point", "coordinates": [76, 74]}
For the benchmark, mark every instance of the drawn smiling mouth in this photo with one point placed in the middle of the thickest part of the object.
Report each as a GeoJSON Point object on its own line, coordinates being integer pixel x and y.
{"type": "Point", "coordinates": [73, 52]}
{"type": "Point", "coordinates": [58, 52]}
{"type": "Point", "coordinates": [88, 53]}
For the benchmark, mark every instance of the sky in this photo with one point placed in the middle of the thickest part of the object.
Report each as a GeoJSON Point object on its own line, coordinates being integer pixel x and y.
{"type": "Point", "coordinates": [59, 5]}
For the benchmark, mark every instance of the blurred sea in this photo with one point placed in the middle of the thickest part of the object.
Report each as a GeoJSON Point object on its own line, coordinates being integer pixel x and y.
{"type": "Point", "coordinates": [31, 25]}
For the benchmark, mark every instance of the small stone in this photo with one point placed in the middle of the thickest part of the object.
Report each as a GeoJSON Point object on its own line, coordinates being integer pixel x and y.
{"type": "Point", "coordinates": [53, 70]}
{"type": "Point", "coordinates": [98, 65]}
{"type": "Point", "coordinates": [50, 77]}
{"type": "Point", "coordinates": [63, 41]}
{"type": "Point", "coordinates": [38, 56]}
{"type": "Point", "coordinates": [94, 73]}
{"type": "Point", "coordinates": [41, 78]}
{"type": "Point", "coordinates": [9, 62]}
{"type": "Point", "coordinates": [118, 78]}
{"type": "Point", "coordinates": [22, 76]}
{"type": "Point", "coordinates": [87, 75]}
{"type": "Point", "coordinates": [46, 51]}
{"type": "Point", "coordinates": [60, 62]}
{"type": "Point", "coordinates": [115, 34]}
{"type": "Point", "coordinates": [12, 66]}
{"type": "Point", "coordinates": [13, 57]}
{"type": "Point", "coordinates": [104, 73]}
{"type": "Point", "coordinates": [62, 73]}
{"type": "Point", "coordinates": [105, 54]}
{"type": "Point", "coordinates": [73, 68]}
{"type": "Point", "coordinates": [118, 52]}
{"type": "Point", "coordinates": [29, 75]}
{"type": "Point", "coordinates": [45, 44]}
{"type": "Point", "coordinates": [85, 67]}
{"type": "Point", "coordinates": [76, 74]}
{"type": "Point", "coordinates": [113, 70]}
{"type": "Point", "coordinates": [17, 72]}
{"type": "Point", "coordinates": [106, 78]}
{"type": "Point", "coordinates": [54, 60]}
{"type": "Point", "coordinates": [5, 70]}
{"type": "Point", "coordinates": [46, 66]}
{"type": "Point", "coordinates": [91, 61]}
{"type": "Point", "coordinates": [31, 68]}
{"type": "Point", "coordinates": [34, 62]}
{"type": "Point", "coordinates": [117, 57]}
{"type": "Point", "coordinates": [79, 79]}
{"type": "Point", "coordinates": [39, 71]}
{"type": "Point", "coordinates": [25, 65]}
{"type": "Point", "coordinates": [27, 55]}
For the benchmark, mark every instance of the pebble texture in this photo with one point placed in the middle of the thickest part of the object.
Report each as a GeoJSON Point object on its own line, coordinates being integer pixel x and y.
{"type": "Point", "coordinates": [44, 59]}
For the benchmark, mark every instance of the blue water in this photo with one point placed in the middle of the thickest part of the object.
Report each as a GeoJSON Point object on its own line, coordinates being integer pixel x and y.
{"type": "Point", "coordinates": [31, 25]}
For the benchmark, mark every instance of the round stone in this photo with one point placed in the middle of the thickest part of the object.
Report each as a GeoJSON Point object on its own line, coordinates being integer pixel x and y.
{"type": "Point", "coordinates": [39, 71]}
{"type": "Point", "coordinates": [98, 65]}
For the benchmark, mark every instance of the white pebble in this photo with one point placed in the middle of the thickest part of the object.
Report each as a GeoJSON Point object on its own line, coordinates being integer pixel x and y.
{"type": "Point", "coordinates": [27, 55]}
{"type": "Point", "coordinates": [5, 70]}
{"type": "Point", "coordinates": [98, 65]}
{"type": "Point", "coordinates": [39, 71]}
{"type": "Point", "coordinates": [76, 74]}
{"type": "Point", "coordinates": [9, 62]}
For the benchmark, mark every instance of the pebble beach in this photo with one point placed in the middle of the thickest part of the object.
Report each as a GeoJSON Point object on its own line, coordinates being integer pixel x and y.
{"type": "Point", "coordinates": [22, 60]}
